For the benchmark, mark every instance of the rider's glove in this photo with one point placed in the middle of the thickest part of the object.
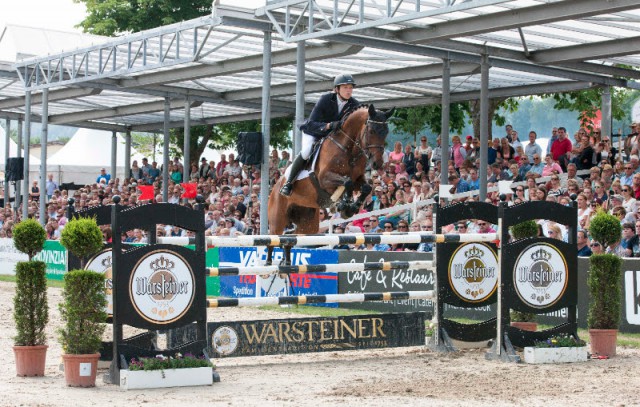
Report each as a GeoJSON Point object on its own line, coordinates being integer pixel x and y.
{"type": "Point", "coordinates": [334, 126]}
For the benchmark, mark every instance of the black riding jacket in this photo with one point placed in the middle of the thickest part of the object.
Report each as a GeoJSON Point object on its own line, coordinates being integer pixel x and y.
{"type": "Point", "coordinates": [326, 111]}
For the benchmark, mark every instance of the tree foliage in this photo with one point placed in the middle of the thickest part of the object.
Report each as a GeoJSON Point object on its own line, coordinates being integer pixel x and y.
{"type": "Point", "coordinates": [413, 120]}
{"type": "Point", "coordinates": [113, 17]}
{"type": "Point", "coordinates": [588, 101]}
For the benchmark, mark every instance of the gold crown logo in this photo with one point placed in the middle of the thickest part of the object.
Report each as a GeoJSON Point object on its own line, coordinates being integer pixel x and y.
{"type": "Point", "coordinates": [474, 252]}
{"type": "Point", "coordinates": [162, 264]}
{"type": "Point", "coordinates": [106, 262]}
{"type": "Point", "coordinates": [540, 255]}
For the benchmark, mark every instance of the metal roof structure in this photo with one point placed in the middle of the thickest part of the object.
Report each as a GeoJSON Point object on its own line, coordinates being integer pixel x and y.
{"type": "Point", "coordinates": [394, 48]}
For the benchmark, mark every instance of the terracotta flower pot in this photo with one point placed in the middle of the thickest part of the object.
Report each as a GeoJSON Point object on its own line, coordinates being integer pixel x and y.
{"type": "Point", "coordinates": [30, 360]}
{"type": "Point", "coordinates": [603, 341]}
{"type": "Point", "coordinates": [80, 370]}
{"type": "Point", "coordinates": [525, 326]}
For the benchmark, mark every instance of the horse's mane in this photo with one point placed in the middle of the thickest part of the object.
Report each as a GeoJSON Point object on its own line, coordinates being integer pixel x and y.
{"type": "Point", "coordinates": [356, 110]}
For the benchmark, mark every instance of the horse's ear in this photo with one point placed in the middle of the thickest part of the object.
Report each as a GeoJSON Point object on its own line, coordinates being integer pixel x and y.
{"type": "Point", "coordinates": [372, 111]}
{"type": "Point", "coordinates": [390, 112]}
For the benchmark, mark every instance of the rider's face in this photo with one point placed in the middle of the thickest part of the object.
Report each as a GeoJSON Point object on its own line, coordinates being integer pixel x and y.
{"type": "Point", "coordinates": [345, 91]}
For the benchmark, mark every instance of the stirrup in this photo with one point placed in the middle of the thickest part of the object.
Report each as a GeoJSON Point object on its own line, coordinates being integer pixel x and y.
{"type": "Point", "coordinates": [286, 189]}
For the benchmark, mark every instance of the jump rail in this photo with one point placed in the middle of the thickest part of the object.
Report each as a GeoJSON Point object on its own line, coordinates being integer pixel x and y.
{"type": "Point", "coordinates": [320, 299]}
{"type": "Point", "coordinates": [321, 268]}
{"type": "Point", "coordinates": [355, 238]}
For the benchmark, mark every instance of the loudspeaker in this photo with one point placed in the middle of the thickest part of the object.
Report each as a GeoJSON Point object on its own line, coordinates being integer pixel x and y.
{"type": "Point", "coordinates": [14, 169]}
{"type": "Point", "coordinates": [249, 147]}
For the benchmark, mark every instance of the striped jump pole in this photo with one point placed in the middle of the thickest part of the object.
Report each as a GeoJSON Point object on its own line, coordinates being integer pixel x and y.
{"type": "Point", "coordinates": [320, 299]}
{"type": "Point", "coordinates": [321, 268]}
{"type": "Point", "coordinates": [355, 238]}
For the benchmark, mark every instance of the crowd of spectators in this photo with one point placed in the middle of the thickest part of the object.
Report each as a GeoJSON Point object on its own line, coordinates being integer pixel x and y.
{"type": "Point", "coordinates": [410, 174]}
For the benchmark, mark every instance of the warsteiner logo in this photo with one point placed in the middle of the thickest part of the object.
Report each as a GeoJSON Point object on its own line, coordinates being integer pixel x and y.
{"type": "Point", "coordinates": [473, 272]}
{"type": "Point", "coordinates": [224, 340]}
{"type": "Point", "coordinates": [162, 287]}
{"type": "Point", "coordinates": [102, 264]}
{"type": "Point", "coordinates": [540, 275]}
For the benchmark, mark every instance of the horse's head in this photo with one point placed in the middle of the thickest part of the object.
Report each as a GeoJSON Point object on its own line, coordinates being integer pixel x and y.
{"type": "Point", "coordinates": [375, 134]}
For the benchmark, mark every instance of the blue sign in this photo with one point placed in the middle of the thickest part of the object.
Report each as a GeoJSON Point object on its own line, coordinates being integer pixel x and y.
{"type": "Point", "coordinates": [274, 285]}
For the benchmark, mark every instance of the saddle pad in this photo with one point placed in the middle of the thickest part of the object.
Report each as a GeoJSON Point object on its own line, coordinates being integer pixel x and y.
{"type": "Point", "coordinates": [315, 151]}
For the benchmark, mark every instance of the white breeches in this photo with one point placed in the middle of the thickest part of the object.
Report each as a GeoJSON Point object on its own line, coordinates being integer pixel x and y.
{"type": "Point", "coordinates": [307, 143]}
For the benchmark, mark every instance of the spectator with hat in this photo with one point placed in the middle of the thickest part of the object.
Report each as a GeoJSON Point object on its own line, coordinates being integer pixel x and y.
{"type": "Point", "coordinates": [203, 170]}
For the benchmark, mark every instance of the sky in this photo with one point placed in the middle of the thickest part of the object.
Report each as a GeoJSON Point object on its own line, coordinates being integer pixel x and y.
{"type": "Point", "coordinates": [63, 14]}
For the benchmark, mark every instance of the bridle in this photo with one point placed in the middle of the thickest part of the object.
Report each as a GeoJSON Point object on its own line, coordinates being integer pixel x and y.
{"type": "Point", "coordinates": [358, 142]}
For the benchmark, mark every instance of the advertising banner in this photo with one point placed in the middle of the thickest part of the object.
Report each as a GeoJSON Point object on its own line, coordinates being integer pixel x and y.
{"type": "Point", "coordinates": [55, 255]}
{"type": "Point", "coordinates": [392, 280]}
{"type": "Point", "coordinates": [286, 336]}
{"type": "Point", "coordinates": [213, 283]}
{"type": "Point", "coordinates": [9, 256]}
{"type": "Point", "coordinates": [274, 285]}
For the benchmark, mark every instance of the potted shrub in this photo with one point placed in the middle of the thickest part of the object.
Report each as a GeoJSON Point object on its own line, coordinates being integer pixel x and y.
{"type": "Point", "coordinates": [525, 321]}
{"type": "Point", "coordinates": [30, 308]}
{"type": "Point", "coordinates": [557, 349]}
{"type": "Point", "coordinates": [82, 308]}
{"type": "Point", "coordinates": [604, 287]}
{"type": "Point", "coordinates": [162, 371]}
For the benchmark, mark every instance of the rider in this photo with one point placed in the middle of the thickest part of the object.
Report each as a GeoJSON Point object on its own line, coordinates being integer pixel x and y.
{"type": "Point", "coordinates": [325, 118]}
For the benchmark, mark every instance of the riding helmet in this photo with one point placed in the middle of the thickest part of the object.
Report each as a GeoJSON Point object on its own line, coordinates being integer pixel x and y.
{"type": "Point", "coordinates": [344, 79]}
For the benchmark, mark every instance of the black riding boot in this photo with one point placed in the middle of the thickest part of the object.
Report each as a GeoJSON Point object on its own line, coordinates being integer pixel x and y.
{"type": "Point", "coordinates": [296, 166]}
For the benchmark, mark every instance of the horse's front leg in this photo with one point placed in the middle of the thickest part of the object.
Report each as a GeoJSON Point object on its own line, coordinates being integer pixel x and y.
{"type": "Point", "coordinates": [365, 191]}
{"type": "Point", "coordinates": [346, 206]}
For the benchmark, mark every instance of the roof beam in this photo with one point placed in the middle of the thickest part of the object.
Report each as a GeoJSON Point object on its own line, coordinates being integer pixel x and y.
{"type": "Point", "coordinates": [494, 61]}
{"type": "Point", "coordinates": [523, 17]}
{"type": "Point", "coordinates": [520, 56]}
{"type": "Point", "coordinates": [244, 64]}
{"type": "Point", "coordinates": [513, 91]}
{"type": "Point", "coordinates": [119, 111]}
{"type": "Point", "coordinates": [211, 120]}
{"type": "Point", "coordinates": [54, 96]}
{"type": "Point", "coordinates": [582, 52]}
{"type": "Point", "coordinates": [415, 73]}
{"type": "Point", "coordinates": [85, 125]}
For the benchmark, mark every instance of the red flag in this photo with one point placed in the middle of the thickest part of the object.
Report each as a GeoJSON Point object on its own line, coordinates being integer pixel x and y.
{"type": "Point", "coordinates": [190, 190]}
{"type": "Point", "coordinates": [147, 192]}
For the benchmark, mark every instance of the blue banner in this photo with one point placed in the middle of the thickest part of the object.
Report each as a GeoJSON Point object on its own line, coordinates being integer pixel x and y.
{"type": "Point", "coordinates": [274, 285]}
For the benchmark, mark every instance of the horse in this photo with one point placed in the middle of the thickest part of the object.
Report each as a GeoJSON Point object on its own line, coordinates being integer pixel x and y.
{"type": "Point", "coordinates": [339, 170]}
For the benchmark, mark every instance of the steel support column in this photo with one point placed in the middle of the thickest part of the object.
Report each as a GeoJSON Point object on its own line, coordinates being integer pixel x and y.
{"type": "Point", "coordinates": [165, 150]}
{"type": "Point", "coordinates": [18, 194]}
{"type": "Point", "coordinates": [484, 125]}
{"type": "Point", "coordinates": [127, 154]}
{"type": "Point", "coordinates": [114, 156]}
{"type": "Point", "coordinates": [266, 132]}
{"type": "Point", "coordinates": [43, 155]}
{"type": "Point", "coordinates": [187, 142]}
{"type": "Point", "coordinates": [606, 111]}
{"type": "Point", "coordinates": [444, 131]}
{"type": "Point", "coordinates": [27, 142]}
{"type": "Point", "coordinates": [6, 156]}
{"type": "Point", "coordinates": [300, 76]}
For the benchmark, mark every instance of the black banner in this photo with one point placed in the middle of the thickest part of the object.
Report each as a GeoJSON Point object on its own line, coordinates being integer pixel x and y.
{"type": "Point", "coordinates": [392, 280]}
{"type": "Point", "coordinates": [283, 336]}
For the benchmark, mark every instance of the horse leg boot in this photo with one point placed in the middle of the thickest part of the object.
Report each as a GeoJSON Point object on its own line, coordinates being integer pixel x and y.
{"type": "Point", "coordinates": [296, 166]}
{"type": "Point", "coordinates": [365, 190]}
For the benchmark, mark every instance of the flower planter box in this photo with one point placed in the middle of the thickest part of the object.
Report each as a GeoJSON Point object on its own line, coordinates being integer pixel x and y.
{"type": "Point", "coordinates": [154, 379]}
{"type": "Point", "coordinates": [555, 355]}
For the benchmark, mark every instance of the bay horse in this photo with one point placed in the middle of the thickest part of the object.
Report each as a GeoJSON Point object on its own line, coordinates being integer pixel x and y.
{"type": "Point", "coordinates": [339, 170]}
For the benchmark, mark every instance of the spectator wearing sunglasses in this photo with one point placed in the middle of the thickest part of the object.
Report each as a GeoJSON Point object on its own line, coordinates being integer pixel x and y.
{"type": "Point", "coordinates": [484, 227]}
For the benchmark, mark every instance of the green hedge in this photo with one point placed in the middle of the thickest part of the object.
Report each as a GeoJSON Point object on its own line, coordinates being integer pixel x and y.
{"type": "Point", "coordinates": [30, 307]}
{"type": "Point", "coordinates": [82, 311]}
{"type": "Point", "coordinates": [604, 289]}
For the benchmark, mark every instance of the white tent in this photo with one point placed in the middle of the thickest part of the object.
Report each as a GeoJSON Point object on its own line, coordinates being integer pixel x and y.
{"type": "Point", "coordinates": [34, 163]}
{"type": "Point", "coordinates": [81, 159]}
